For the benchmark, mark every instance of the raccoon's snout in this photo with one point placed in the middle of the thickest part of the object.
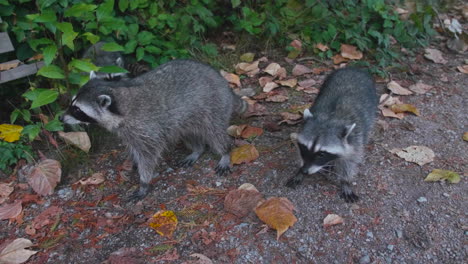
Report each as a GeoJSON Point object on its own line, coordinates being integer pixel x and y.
{"type": "Point", "coordinates": [310, 169]}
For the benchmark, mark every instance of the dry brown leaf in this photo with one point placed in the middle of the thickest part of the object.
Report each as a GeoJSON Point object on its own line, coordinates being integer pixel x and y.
{"type": "Point", "coordinates": [300, 70]}
{"type": "Point", "coordinates": [264, 80]}
{"type": "Point", "coordinates": [6, 189]}
{"type": "Point", "coordinates": [245, 67]}
{"type": "Point", "coordinates": [418, 154]}
{"type": "Point", "coordinates": [420, 88]}
{"type": "Point", "coordinates": [231, 78]}
{"type": "Point", "coordinates": [277, 98]}
{"type": "Point", "coordinates": [435, 56]}
{"type": "Point", "coordinates": [45, 176]}
{"type": "Point", "coordinates": [322, 47]}
{"type": "Point", "coordinates": [164, 222]}
{"type": "Point", "coordinates": [388, 100]}
{"type": "Point", "coordinates": [397, 89]}
{"type": "Point", "coordinates": [78, 139]}
{"type": "Point", "coordinates": [201, 259]}
{"type": "Point", "coordinates": [281, 74]}
{"type": "Point", "coordinates": [337, 59]}
{"type": "Point", "coordinates": [270, 87]}
{"type": "Point", "coordinates": [389, 113]}
{"type": "Point", "coordinates": [96, 178]}
{"type": "Point", "coordinates": [350, 52]}
{"type": "Point", "coordinates": [272, 68]}
{"type": "Point", "coordinates": [332, 219]}
{"type": "Point", "coordinates": [307, 83]}
{"type": "Point", "coordinates": [402, 108]}
{"type": "Point", "coordinates": [38, 56]}
{"type": "Point", "coordinates": [16, 252]}
{"type": "Point", "coordinates": [463, 69]}
{"type": "Point", "coordinates": [8, 66]}
{"type": "Point", "coordinates": [308, 90]}
{"type": "Point", "coordinates": [244, 154]}
{"type": "Point", "coordinates": [8, 211]}
{"type": "Point", "coordinates": [255, 109]}
{"type": "Point", "coordinates": [242, 201]}
{"type": "Point", "coordinates": [236, 130]}
{"type": "Point", "coordinates": [289, 82]}
{"type": "Point", "coordinates": [290, 118]}
{"type": "Point", "coordinates": [251, 131]}
{"type": "Point", "coordinates": [46, 217]}
{"type": "Point", "coordinates": [277, 213]}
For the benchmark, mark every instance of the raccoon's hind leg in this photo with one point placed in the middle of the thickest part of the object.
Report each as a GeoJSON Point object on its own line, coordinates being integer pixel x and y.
{"type": "Point", "coordinates": [345, 170]}
{"type": "Point", "coordinates": [145, 171]}
{"type": "Point", "coordinates": [220, 144]}
{"type": "Point", "coordinates": [197, 147]}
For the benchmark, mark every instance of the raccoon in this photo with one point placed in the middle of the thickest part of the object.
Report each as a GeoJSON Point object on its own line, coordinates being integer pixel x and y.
{"type": "Point", "coordinates": [337, 127]}
{"type": "Point", "coordinates": [104, 58]}
{"type": "Point", "coordinates": [180, 100]}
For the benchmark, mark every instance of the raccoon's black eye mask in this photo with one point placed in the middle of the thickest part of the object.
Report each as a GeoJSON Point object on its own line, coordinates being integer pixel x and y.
{"type": "Point", "coordinates": [319, 158]}
{"type": "Point", "coordinates": [80, 115]}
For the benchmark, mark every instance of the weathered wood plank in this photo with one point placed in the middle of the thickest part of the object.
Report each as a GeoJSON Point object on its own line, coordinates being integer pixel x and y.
{"type": "Point", "coordinates": [5, 43]}
{"type": "Point", "coordinates": [19, 72]}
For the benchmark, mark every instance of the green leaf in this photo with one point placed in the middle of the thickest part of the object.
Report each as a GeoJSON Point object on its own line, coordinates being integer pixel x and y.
{"type": "Point", "coordinates": [145, 37]}
{"type": "Point", "coordinates": [105, 9]}
{"type": "Point", "coordinates": [130, 46]}
{"type": "Point", "coordinates": [140, 53]}
{"type": "Point", "coordinates": [123, 5]}
{"type": "Point", "coordinates": [112, 69]}
{"type": "Point", "coordinates": [235, 3]}
{"type": "Point", "coordinates": [46, 16]}
{"type": "Point", "coordinates": [112, 46]}
{"type": "Point", "coordinates": [34, 43]}
{"type": "Point", "coordinates": [91, 37]}
{"type": "Point", "coordinates": [83, 65]}
{"type": "Point", "coordinates": [31, 131]}
{"type": "Point", "coordinates": [440, 175]}
{"type": "Point", "coordinates": [45, 97]}
{"type": "Point", "coordinates": [33, 94]}
{"type": "Point", "coordinates": [153, 49]}
{"type": "Point", "coordinates": [79, 9]}
{"type": "Point", "coordinates": [68, 34]}
{"type": "Point", "coordinates": [51, 71]}
{"type": "Point", "coordinates": [49, 53]}
{"type": "Point", "coordinates": [54, 125]}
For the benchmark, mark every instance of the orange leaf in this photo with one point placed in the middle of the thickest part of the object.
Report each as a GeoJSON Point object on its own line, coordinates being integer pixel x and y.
{"type": "Point", "coordinates": [7, 66]}
{"type": "Point", "coordinates": [350, 52]}
{"type": "Point", "coordinates": [251, 131]}
{"type": "Point", "coordinates": [401, 108]}
{"type": "Point", "coordinates": [322, 47]}
{"type": "Point", "coordinates": [337, 59]}
{"type": "Point", "coordinates": [277, 213]}
{"type": "Point", "coordinates": [242, 201]}
{"type": "Point", "coordinates": [231, 78]}
{"type": "Point", "coordinates": [164, 223]}
{"type": "Point", "coordinates": [244, 154]}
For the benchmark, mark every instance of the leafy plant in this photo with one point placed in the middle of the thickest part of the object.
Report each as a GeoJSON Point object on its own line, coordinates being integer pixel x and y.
{"type": "Point", "coordinates": [12, 152]}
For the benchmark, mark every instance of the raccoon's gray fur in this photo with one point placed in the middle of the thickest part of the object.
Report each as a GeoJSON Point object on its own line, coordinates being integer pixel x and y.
{"type": "Point", "coordinates": [337, 127]}
{"type": "Point", "coordinates": [104, 58]}
{"type": "Point", "coordinates": [180, 100]}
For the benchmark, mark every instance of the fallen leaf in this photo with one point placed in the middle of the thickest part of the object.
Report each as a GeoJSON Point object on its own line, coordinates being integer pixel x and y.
{"type": "Point", "coordinates": [277, 213]}
{"type": "Point", "coordinates": [10, 133]}
{"type": "Point", "coordinates": [244, 154]}
{"type": "Point", "coordinates": [16, 252]}
{"type": "Point", "coordinates": [247, 57]}
{"type": "Point", "coordinates": [465, 136]}
{"type": "Point", "coordinates": [12, 210]}
{"type": "Point", "coordinates": [96, 178]}
{"type": "Point", "coordinates": [289, 82]}
{"type": "Point", "coordinates": [264, 80]}
{"type": "Point", "coordinates": [8, 66]}
{"type": "Point", "coordinates": [231, 78]}
{"type": "Point", "coordinates": [45, 176]}
{"type": "Point", "coordinates": [277, 98]}
{"type": "Point", "coordinates": [307, 83]}
{"type": "Point", "coordinates": [251, 131]}
{"type": "Point", "coordinates": [300, 70]}
{"type": "Point", "coordinates": [297, 49]}
{"type": "Point", "coordinates": [418, 154]}
{"type": "Point", "coordinates": [322, 47]}
{"type": "Point", "coordinates": [290, 118]}
{"type": "Point", "coordinates": [6, 189]}
{"type": "Point", "coordinates": [243, 200]}
{"type": "Point", "coordinates": [463, 69]}
{"type": "Point", "coordinates": [255, 109]}
{"type": "Point", "coordinates": [332, 219]}
{"type": "Point", "coordinates": [350, 52]}
{"type": "Point", "coordinates": [420, 88]}
{"type": "Point", "coordinates": [271, 126]}
{"type": "Point", "coordinates": [201, 259]}
{"type": "Point", "coordinates": [78, 139]}
{"type": "Point", "coordinates": [337, 59]}
{"type": "Point", "coordinates": [401, 108]}
{"type": "Point", "coordinates": [47, 217]}
{"type": "Point", "coordinates": [245, 67]}
{"type": "Point", "coordinates": [281, 74]}
{"type": "Point", "coordinates": [236, 130]}
{"type": "Point", "coordinates": [435, 56]}
{"type": "Point", "coordinates": [389, 113]}
{"type": "Point", "coordinates": [38, 56]}
{"type": "Point", "coordinates": [397, 89]}
{"type": "Point", "coordinates": [272, 68]}
{"type": "Point", "coordinates": [308, 90]}
{"type": "Point", "coordinates": [270, 87]}
{"type": "Point", "coordinates": [164, 223]}
{"type": "Point", "coordinates": [441, 175]}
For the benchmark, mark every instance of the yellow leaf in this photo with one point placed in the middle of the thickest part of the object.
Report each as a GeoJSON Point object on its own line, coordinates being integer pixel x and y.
{"type": "Point", "coordinates": [10, 133]}
{"type": "Point", "coordinates": [440, 175]}
{"type": "Point", "coordinates": [465, 136]}
{"type": "Point", "coordinates": [277, 213]}
{"type": "Point", "coordinates": [164, 223]}
{"type": "Point", "coordinates": [244, 154]}
{"type": "Point", "coordinates": [401, 108]}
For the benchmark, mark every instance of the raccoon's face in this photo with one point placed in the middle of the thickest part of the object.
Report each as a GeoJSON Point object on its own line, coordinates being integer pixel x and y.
{"type": "Point", "coordinates": [92, 108]}
{"type": "Point", "coordinates": [319, 145]}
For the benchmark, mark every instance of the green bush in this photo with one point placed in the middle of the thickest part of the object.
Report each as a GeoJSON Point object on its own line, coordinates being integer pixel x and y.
{"type": "Point", "coordinates": [12, 152]}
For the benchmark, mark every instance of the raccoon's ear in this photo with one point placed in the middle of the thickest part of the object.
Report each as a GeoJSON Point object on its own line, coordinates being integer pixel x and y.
{"type": "Point", "coordinates": [92, 75]}
{"type": "Point", "coordinates": [347, 130]}
{"type": "Point", "coordinates": [104, 100]}
{"type": "Point", "coordinates": [119, 62]}
{"type": "Point", "coordinates": [307, 114]}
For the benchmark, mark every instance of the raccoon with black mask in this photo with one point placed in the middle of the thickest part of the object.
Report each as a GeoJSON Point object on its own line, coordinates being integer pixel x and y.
{"type": "Point", "coordinates": [337, 127]}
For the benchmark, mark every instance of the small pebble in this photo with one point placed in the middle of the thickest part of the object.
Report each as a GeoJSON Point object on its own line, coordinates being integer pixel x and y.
{"type": "Point", "coordinates": [422, 199]}
{"type": "Point", "coordinates": [364, 260]}
{"type": "Point", "coordinates": [218, 184]}
{"type": "Point", "coordinates": [446, 194]}
{"type": "Point", "coordinates": [370, 234]}
{"type": "Point", "coordinates": [390, 247]}
{"type": "Point", "coordinates": [399, 233]}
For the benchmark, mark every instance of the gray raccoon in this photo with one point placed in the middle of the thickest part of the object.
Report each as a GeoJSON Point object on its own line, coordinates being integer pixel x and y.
{"type": "Point", "coordinates": [180, 100]}
{"type": "Point", "coordinates": [337, 127]}
{"type": "Point", "coordinates": [104, 58]}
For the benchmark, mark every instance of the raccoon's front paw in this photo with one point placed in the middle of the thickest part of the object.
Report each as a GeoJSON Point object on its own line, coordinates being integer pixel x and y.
{"type": "Point", "coordinates": [294, 181]}
{"type": "Point", "coordinates": [222, 169]}
{"type": "Point", "coordinates": [187, 162]}
{"type": "Point", "coordinates": [349, 197]}
{"type": "Point", "coordinates": [139, 194]}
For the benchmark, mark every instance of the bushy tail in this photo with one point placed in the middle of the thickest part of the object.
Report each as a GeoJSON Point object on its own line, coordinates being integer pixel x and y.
{"type": "Point", "coordinates": [239, 106]}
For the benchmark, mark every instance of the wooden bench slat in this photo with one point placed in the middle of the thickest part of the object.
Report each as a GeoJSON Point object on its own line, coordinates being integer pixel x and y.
{"type": "Point", "coordinates": [5, 43]}
{"type": "Point", "coordinates": [20, 71]}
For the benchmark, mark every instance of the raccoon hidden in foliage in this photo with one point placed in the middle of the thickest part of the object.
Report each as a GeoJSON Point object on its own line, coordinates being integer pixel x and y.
{"type": "Point", "coordinates": [180, 100]}
{"type": "Point", "coordinates": [337, 127]}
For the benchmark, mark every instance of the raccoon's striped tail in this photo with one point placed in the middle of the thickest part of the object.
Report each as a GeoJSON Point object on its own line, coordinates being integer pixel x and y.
{"type": "Point", "coordinates": [239, 106]}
